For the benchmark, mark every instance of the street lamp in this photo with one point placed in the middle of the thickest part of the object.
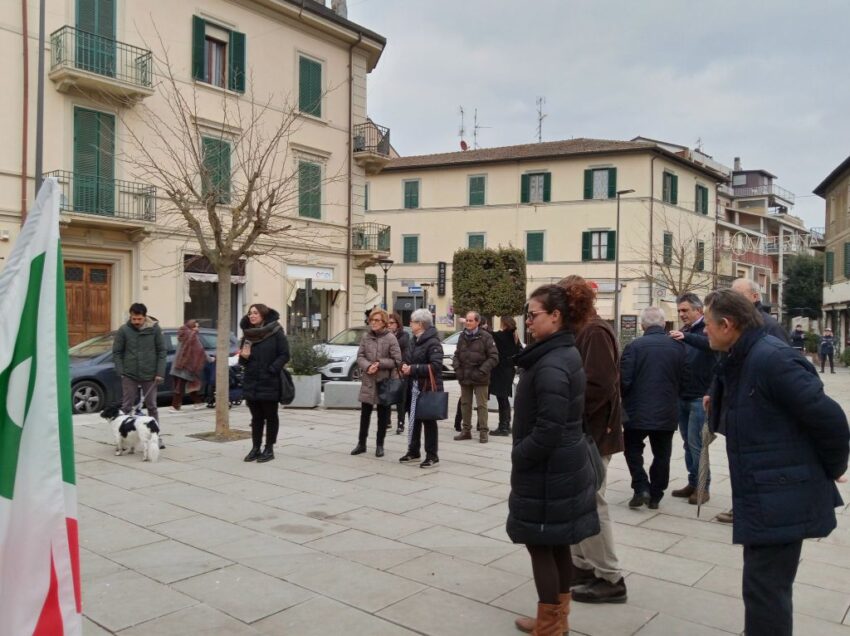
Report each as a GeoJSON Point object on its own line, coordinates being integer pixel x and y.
{"type": "Point", "coordinates": [385, 264]}
{"type": "Point", "coordinates": [617, 265]}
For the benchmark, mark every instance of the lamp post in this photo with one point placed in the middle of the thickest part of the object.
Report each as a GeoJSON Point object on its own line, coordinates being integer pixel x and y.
{"type": "Point", "coordinates": [385, 264]}
{"type": "Point", "coordinates": [617, 266]}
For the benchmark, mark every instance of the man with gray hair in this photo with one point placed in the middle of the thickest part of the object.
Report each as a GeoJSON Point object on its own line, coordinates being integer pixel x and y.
{"type": "Point", "coordinates": [653, 370]}
{"type": "Point", "coordinates": [751, 289]}
{"type": "Point", "coordinates": [476, 355]}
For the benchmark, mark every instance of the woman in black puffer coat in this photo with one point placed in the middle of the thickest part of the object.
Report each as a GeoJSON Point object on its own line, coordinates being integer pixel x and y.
{"type": "Point", "coordinates": [552, 504]}
{"type": "Point", "coordinates": [264, 352]}
{"type": "Point", "coordinates": [403, 338]}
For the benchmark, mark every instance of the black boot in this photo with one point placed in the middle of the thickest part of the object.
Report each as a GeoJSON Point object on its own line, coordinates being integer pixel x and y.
{"type": "Point", "coordinates": [267, 455]}
{"type": "Point", "coordinates": [400, 428]}
{"type": "Point", "coordinates": [360, 448]}
{"type": "Point", "coordinates": [254, 454]}
{"type": "Point", "coordinates": [503, 431]}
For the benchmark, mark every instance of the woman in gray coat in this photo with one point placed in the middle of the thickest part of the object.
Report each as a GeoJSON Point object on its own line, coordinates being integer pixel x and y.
{"type": "Point", "coordinates": [379, 358]}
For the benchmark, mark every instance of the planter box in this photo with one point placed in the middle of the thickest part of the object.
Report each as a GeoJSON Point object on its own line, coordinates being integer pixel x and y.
{"type": "Point", "coordinates": [342, 395]}
{"type": "Point", "coordinates": [308, 391]}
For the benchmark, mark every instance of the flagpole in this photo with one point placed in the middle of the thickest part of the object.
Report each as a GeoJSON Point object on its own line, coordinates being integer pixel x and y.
{"type": "Point", "coordinates": [39, 116]}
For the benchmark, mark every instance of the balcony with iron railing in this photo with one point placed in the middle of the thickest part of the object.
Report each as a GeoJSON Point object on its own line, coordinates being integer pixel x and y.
{"type": "Point", "coordinates": [371, 146]}
{"type": "Point", "coordinates": [817, 238]}
{"type": "Point", "coordinates": [767, 190]}
{"type": "Point", "coordinates": [99, 66]}
{"type": "Point", "coordinates": [369, 242]}
{"type": "Point", "coordinates": [113, 199]}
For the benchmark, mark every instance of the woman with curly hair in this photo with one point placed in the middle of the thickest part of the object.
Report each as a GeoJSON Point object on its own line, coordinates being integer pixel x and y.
{"type": "Point", "coordinates": [552, 504]}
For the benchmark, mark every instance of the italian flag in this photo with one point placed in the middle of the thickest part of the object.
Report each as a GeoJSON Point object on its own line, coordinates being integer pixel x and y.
{"type": "Point", "coordinates": [39, 551]}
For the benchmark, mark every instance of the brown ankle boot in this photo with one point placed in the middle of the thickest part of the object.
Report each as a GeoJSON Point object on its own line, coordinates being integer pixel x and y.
{"type": "Point", "coordinates": [549, 621]}
{"type": "Point", "coordinates": [527, 624]}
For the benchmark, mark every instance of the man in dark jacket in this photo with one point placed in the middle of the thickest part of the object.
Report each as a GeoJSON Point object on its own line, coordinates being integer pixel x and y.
{"type": "Point", "coordinates": [798, 339]}
{"type": "Point", "coordinates": [138, 353]}
{"type": "Point", "coordinates": [786, 441]}
{"type": "Point", "coordinates": [752, 290]}
{"type": "Point", "coordinates": [701, 362]}
{"type": "Point", "coordinates": [475, 357]}
{"type": "Point", "coordinates": [652, 372]}
{"type": "Point", "coordinates": [826, 349]}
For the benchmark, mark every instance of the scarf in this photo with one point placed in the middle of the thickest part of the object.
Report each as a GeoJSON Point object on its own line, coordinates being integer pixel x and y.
{"type": "Point", "coordinates": [191, 355]}
{"type": "Point", "coordinates": [258, 334]}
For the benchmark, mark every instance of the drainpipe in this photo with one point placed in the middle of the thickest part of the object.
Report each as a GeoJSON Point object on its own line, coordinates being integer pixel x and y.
{"type": "Point", "coordinates": [25, 123]}
{"type": "Point", "coordinates": [651, 224]}
{"type": "Point", "coordinates": [39, 112]}
{"type": "Point", "coordinates": [350, 176]}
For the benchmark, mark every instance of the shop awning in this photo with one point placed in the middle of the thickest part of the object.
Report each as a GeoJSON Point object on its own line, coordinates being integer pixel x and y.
{"type": "Point", "coordinates": [321, 285]}
{"type": "Point", "coordinates": [206, 278]}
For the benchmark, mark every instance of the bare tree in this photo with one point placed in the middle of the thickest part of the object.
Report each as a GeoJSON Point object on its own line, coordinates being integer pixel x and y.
{"type": "Point", "coordinates": [230, 182]}
{"type": "Point", "coordinates": [683, 260]}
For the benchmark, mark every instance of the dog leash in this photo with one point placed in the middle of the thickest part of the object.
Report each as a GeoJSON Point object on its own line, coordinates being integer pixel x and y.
{"type": "Point", "coordinates": [144, 397]}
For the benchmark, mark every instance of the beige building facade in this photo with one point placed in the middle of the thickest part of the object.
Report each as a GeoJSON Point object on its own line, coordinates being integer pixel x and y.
{"type": "Point", "coordinates": [559, 202]}
{"type": "Point", "coordinates": [105, 74]}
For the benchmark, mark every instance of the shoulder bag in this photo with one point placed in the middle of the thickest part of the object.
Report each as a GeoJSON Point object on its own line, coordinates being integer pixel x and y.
{"type": "Point", "coordinates": [432, 404]}
{"type": "Point", "coordinates": [287, 388]}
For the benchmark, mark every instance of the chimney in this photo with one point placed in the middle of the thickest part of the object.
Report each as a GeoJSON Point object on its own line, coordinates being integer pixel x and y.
{"type": "Point", "coordinates": [737, 164]}
{"type": "Point", "coordinates": [340, 8]}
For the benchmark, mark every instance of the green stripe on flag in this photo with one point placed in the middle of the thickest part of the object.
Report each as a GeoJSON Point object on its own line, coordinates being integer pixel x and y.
{"type": "Point", "coordinates": [63, 377]}
{"type": "Point", "coordinates": [25, 350]}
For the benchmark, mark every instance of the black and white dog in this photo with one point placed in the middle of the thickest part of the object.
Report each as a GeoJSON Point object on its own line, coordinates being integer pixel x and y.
{"type": "Point", "coordinates": [133, 431]}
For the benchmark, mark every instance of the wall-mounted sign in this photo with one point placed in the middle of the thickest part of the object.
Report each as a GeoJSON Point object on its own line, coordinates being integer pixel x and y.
{"type": "Point", "coordinates": [299, 272]}
{"type": "Point", "coordinates": [441, 278]}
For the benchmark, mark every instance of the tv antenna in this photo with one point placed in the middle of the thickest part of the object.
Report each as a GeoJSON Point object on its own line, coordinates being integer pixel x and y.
{"type": "Point", "coordinates": [540, 117]}
{"type": "Point", "coordinates": [462, 131]}
{"type": "Point", "coordinates": [475, 129]}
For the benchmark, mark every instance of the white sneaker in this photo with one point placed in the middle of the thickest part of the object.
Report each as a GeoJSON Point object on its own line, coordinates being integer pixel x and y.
{"type": "Point", "coordinates": [198, 407]}
{"type": "Point", "coordinates": [171, 409]}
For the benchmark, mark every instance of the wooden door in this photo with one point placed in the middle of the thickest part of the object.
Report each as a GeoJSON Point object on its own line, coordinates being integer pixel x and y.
{"type": "Point", "coordinates": [88, 298]}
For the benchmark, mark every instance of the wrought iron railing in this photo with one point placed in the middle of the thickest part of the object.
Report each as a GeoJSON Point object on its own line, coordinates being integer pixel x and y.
{"type": "Point", "coordinates": [71, 47]}
{"type": "Point", "coordinates": [89, 194]}
{"type": "Point", "coordinates": [370, 237]}
{"type": "Point", "coordinates": [369, 137]}
{"type": "Point", "coordinates": [765, 190]}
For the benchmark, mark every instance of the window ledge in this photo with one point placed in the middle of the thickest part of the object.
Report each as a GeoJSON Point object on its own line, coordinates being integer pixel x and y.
{"type": "Point", "coordinates": [217, 89]}
{"type": "Point", "coordinates": [313, 118]}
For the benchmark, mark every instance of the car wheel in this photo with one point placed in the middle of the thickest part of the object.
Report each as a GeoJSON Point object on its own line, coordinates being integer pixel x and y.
{"type": "Point", "coordinates": [354, 373]}
{"type": "Point", "coordinates": [87, 397]}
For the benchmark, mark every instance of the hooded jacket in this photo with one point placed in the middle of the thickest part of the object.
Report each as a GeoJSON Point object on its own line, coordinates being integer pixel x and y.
{"type": "Point", "coordinates": [269, 354]}
{"type": "Point", "coordinates": [139, 354]}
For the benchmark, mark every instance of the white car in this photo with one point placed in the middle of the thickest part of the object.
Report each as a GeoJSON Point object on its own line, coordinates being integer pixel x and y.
{"type": "Point", "coordinates": [342, 350]}
{"type": "Point", "coordinates": [449, 346]}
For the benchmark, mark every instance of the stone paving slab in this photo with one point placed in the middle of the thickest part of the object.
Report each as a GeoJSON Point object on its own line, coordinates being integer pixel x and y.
{"type": "Point", "coordinates": [322, 542]}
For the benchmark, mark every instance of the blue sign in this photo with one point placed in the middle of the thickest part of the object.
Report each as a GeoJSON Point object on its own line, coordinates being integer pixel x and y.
{"type": "Point", "coordinates": [414, 289]}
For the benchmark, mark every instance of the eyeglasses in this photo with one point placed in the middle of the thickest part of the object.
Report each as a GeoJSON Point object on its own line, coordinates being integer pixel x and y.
{"type": "Point", "coordinates": [531, 315]}
{"type": "Point", "coordinates": [381, 320]}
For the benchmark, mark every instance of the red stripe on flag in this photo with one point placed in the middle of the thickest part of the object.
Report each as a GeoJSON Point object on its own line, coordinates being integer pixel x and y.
{"type": "Point", "coordinates": [50, 621]}
{"type": "Point", "coordinates": [74, 549]}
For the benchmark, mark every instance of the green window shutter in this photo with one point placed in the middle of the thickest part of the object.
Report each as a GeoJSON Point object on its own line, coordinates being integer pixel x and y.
{"type": "Point", "coordinates": [310, 87]}
{"type": "Point", "coordinates": [87, 15]}
{"type": "Point", "coordinates": [309, 190]}
{"type": "Point", "coordinates": [223, 179]}
{"type": "Point", "coordinates": [585, 243]}
{"type": "Point", "coordinates": [476, 190]}
{"type": "Point", "coordinates": [674, 189]}
{"type": "Point", "coordinates": [612, 246]}
{"type": "Point", "coordinates": [534, 247]}
{"type": "Point", "coordinates": [475, 241]}
{"type": "Point", "coordinates": [665, 187]}
{"type": "Point", "coordinates": [106, 164]}
{"type": "Point", "coordinates": [411, 249]}
{"type": "Point", "coordinates": [236, 63]}
{"type": "Point", "coordinates": [668, 248]}
{"type": "Point", "coordinates": [94, 162]}
{"type": "Point", "coordinates": [847, 261]}
{"type": "Point", "coordinates": [700, 264]}
{"type": "Point", "coordinates": [525, 188]}
{"type": "Point", "coordinates": [411, 195]}
{"type": "Point", "coordinates": [217, 164]}
{"type": "Point", "coordinates": [97, 17]}
{"type": "Point", "coordinates": [366, 197]}
{"type": "Point", "coordinates": [199, 34]}
{"type": "Point", "coordinates": [829, 267]}
{"type": "Point", "coordinates": [547, 187]}
{"type": "Point", "coordinates": [588, 184]}
{"type": "Point", "coordinates": [612, 183]}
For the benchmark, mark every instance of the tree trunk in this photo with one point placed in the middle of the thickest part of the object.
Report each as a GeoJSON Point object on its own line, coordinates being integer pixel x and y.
{"type": "Point", "coordinates": [222, 351]}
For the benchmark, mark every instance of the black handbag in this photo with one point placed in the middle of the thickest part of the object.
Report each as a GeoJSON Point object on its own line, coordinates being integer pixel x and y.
{"type": "Point", "coordinates": [433, 404]}
{"type": "Point", "coordinates": [391, 391]}
{"type": "Point", "coordinates": [287, 388]}
{"type": "Point", "coordinates": [595, 460]}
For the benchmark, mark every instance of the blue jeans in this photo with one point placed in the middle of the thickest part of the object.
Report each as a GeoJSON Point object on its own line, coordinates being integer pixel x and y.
{"type": "Point", "coordinates": [691, 420]}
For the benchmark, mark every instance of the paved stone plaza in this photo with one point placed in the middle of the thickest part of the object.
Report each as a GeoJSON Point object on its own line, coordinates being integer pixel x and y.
{"type": "Point", "coordinates": [320, 542]}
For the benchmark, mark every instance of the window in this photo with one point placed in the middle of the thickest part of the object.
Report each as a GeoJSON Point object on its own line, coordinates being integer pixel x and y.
{"type": "Point", "coordinates": [534, 247]}
{"type": "Point", "coordinates": [536, 187]}
{"type": "Point", "coordinates": [95, 39]}
{"type": "Point", "coordinates": [668, 248]}
{"type": "Point", "coordinates": [739, 180]}
{"type": "Point", "coordinates": [700, 260]}
{"type": "Point", "coordinates": [477, 185]}
{"type": "Point", "coordinates": [847, 261]}
{"type": "Point", "coordinates": [218, 55]}
{"type": "Point", "coordinates": [410, 248]}
{"type": "Point", "coordinates": [598, 245]}
{"type": "Point", "coordinates": [366, 197]}
{"type": "Point", "coordinates": [829, 268]}
{"type": "Point", "coordinates": [411, 194]}
{"type": "Point", "coordinates": [600, 183]}
{"type": "Point", "coordinates": [309, 190]}
{"type": "Point", "coordinates": [670, 188]}
{"type": "Point", "coordinates": [309, 86]}
{"type": "Point", "coordinates": [216, 178]}
{"type": "Point", "coordinates": [94, 162]}
{"type": "Point", "coordinates": [701, 199]}
{"type": "Point", "coordinates": [475, 241]}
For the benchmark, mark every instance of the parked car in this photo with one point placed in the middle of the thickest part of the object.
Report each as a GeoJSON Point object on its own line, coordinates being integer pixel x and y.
{"type": "Point", "coordinates": [94, 382]}
{"type": "Point", "coordinates": [342, 350]}
{"type": "Point", "coordinates": [449, 346]}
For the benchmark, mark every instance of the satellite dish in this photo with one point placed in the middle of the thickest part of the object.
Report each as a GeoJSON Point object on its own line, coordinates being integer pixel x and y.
{"type": "Point", "coordinates": [463, 145]}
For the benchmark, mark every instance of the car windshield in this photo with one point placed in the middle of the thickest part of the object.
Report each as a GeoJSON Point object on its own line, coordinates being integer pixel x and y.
{"type": "Point", "coordinates": [452, 339]}
{"type": "Point", "coordinates": [92, 347]}
{"type": "Point", "coordinates": [348, 337]}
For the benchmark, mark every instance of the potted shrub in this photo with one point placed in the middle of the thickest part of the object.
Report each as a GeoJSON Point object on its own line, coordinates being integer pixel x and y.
{"type": "Point", "coordinates": [305, 359]}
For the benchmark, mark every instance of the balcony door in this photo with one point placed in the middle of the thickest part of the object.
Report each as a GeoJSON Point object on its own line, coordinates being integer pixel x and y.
{"type": "Point", "coordinates": [94, 162]}
{"type": "Point", "coordinates": [96, 36]}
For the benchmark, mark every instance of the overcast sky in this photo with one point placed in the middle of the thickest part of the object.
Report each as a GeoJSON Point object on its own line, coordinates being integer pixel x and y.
{"type": "Point", "coordinates": [764, 80]}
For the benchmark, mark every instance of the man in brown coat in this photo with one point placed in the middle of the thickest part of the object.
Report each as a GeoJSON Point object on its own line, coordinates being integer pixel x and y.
{"type": "Point", "coordinates": [475, 357]}
{"type": "Point", "coordinates": [596, 574]}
